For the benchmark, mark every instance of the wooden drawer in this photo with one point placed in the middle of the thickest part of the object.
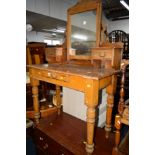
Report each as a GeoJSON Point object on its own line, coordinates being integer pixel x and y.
{"type": "Point", "coordinates": [102, 53]}
{"type": "Point", "coordinates": [51, 75]}
{"type": "Point", "coordinates": [40, 141]}
{"type": "Point", "coordinates": [47, 145]}
{"type": "Point", "coordinates": [58, 149]}
{"type": "Point", "coordinates": [55, 54]}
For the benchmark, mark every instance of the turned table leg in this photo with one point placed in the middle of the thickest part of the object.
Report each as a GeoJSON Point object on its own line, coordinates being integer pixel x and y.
{"type": "Point", "coordinates": [90, 129]}
{"type": "Point", "coordinates": [117, 134]}
{"type": "Point", "coordinates": [58, 98]}
{"type": "Point", "coordinates": [110, 103]}
{"type": "Point", "coordinates": [110, 99]}
{"type": "Point", "coordinates": [91, 100]}
{"type": "Point", "coordinates": [35, 84]}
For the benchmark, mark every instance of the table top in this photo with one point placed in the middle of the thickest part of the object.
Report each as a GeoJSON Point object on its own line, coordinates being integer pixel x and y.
{"type": "Point", "coordinates": [77, 70]}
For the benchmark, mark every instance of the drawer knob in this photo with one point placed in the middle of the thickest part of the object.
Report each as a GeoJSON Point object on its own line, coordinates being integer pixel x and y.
{"type": "Point", "coordinates": [61, 77]}
{"type": "Point", "coordinates": [45, 146]}
{"type": "Point", "coordinates": [49, 74]}
{"type": "Point", "coordinates": [41, 138]}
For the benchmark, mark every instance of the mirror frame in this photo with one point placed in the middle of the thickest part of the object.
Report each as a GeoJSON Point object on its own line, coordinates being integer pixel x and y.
{"type": "Point", "coordinates": [83, 6]}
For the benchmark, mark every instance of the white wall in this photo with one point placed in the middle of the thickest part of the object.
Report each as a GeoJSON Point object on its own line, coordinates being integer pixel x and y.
{"type": "Point", "coordinates": [116, 25]}
{"type": "Point", "coordinates": [52, 8]}
{"type": "Point", "coordinates": [58, 9]}
{"type": "Point", "coordinates": [30, 5]}
{"type": "Point", "coordinates": [119, 25]}
{"type": "Point", "coordinates": [34, 36]}
{"type": "Point", "coordinates": [73, 104]}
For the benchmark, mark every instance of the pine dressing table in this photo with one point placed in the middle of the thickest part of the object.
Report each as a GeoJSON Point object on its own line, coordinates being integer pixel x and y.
{"type": "Point", "coordinates": [88, 80]}
{"type": "Point", "coordinates": [89, 67]}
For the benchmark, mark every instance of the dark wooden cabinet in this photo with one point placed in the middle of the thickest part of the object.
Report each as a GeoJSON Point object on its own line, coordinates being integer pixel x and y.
{"type": "Point", "coordinates": [66, 135]}
{"type": "Point", "coordinates": [46, 145]}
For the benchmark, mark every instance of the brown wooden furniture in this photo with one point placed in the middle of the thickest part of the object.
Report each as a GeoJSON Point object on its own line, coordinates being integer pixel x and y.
{"type": "Point", "coordinates": [35, 54]}
{"type": "Point", "coordinates": [107, 56]}
{"type": "Point", "coordinates": [123, 111]}
{"type": "Point", "coordinates": [91, 52]}
{"type": "Point", "coordinates": [89, 67]}
{"type": "Point", "coordinates": [55, 54]}
{"type": "Point", "coordinates": [65, 134]}
{"type": "Point", "coordinates": [80, 37]}
{"type": "Point", "coordinates": [85, 79]}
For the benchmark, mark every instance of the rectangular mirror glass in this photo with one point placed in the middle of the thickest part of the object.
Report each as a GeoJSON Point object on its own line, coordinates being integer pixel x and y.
{"type": "Point", "coordinates": [83, 33]}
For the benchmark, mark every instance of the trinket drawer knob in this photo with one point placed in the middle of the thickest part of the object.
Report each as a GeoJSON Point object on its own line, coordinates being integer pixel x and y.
{"type": "Point", "coordinates": [41, 138]}
{"type": "Point", "coordinates": [49, 74]}
{"type": "Point", "coordinates": [61, 78]}
{"type": "Point", "coordinates": [45, 146]}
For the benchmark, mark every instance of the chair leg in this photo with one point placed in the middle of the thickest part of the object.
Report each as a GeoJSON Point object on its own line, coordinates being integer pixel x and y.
{"type": "Point", "coordinates": [117, 134]}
